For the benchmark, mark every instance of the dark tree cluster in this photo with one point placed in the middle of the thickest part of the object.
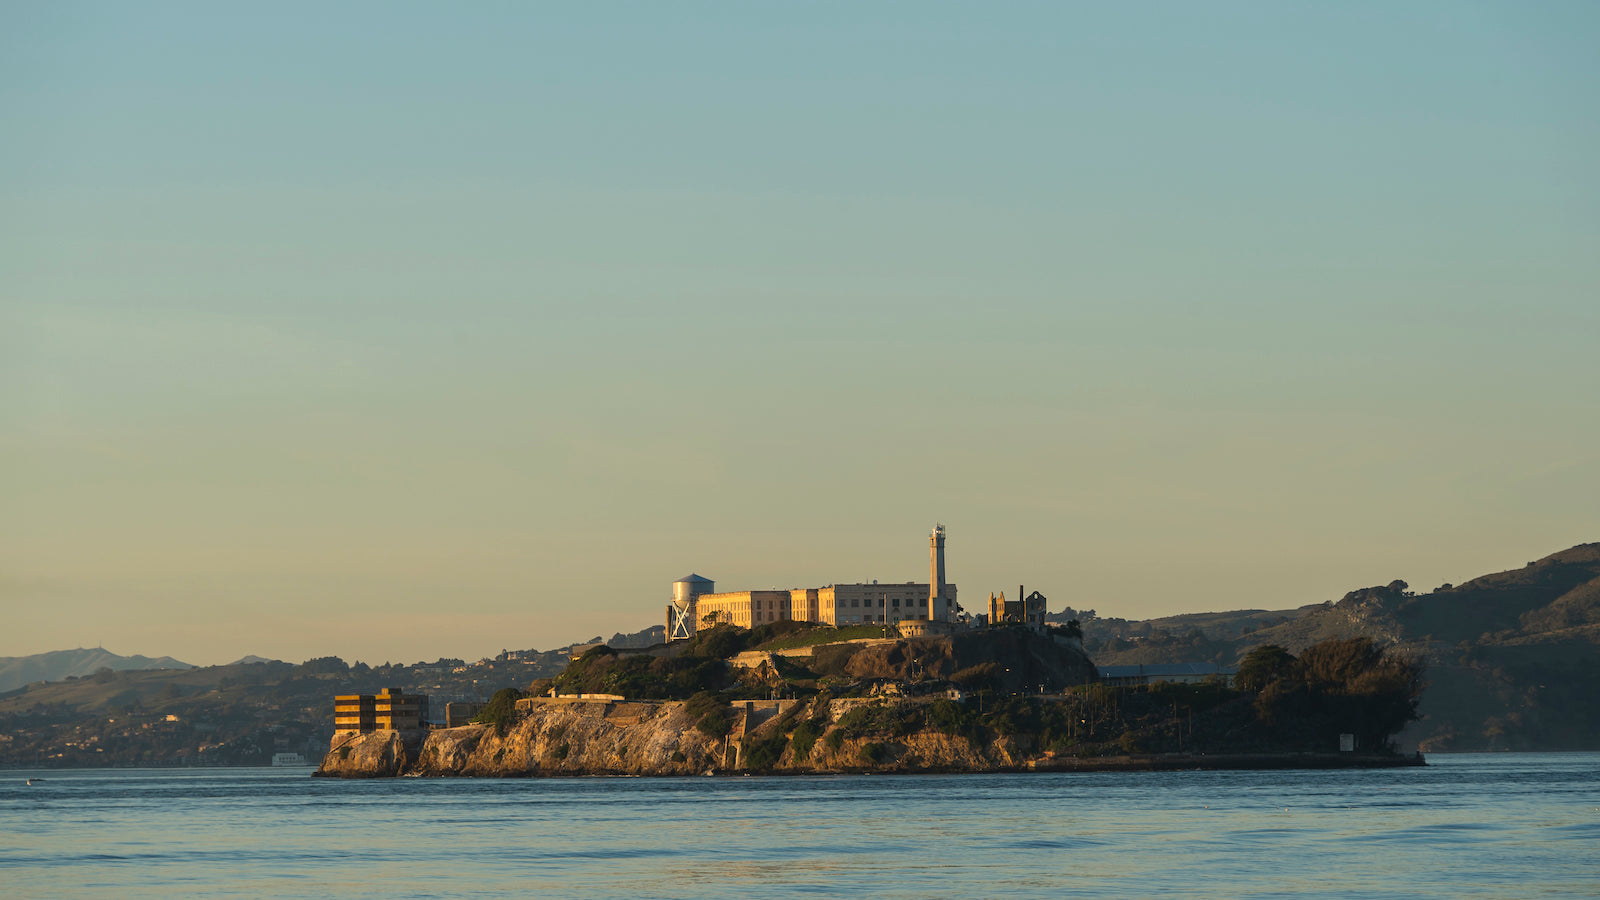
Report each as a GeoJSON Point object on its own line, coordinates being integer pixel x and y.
{"type": "Point", "coordinates": [1338, 686]}
{"type": "Point", "coordinates": [501, 710]}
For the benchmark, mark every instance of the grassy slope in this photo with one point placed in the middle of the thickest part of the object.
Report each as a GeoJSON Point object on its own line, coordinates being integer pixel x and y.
{"type": "Point", "coordinates": [824, 635]}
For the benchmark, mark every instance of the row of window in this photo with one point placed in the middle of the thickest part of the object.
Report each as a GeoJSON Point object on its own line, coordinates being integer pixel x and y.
{"type": "Point", "coordinates": [856, 601]}
{"type": "Point", "coordinates": [871, 618]}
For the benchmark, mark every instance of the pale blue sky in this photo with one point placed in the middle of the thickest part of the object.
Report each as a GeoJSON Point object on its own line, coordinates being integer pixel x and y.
{"type": "Point", "coordinates": [488, 324]}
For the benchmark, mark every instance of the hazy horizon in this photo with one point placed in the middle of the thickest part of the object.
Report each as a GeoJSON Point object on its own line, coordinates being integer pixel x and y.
{"type": "Point", "coordinates": [393, 333]}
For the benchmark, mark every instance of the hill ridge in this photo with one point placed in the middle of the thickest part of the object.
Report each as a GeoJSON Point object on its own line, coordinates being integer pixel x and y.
{"type": "Point", "coordinates": [54, 665]}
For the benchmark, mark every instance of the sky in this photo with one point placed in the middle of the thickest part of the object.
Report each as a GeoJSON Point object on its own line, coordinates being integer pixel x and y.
{"type": "Point", "coordinates": [397, 331]}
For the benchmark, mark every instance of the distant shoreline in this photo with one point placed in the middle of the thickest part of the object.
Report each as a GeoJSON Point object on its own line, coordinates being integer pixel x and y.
{"type": "Point", "coordinates": [1230, 762]}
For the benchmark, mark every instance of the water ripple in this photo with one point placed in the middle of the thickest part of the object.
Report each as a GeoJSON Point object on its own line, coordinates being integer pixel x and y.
{"type": "Point", "coordinates": [1498, 826]}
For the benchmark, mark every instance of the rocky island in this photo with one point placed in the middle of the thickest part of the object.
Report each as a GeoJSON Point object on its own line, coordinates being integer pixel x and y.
{"type": "Point", "coordinates": [792, 698]}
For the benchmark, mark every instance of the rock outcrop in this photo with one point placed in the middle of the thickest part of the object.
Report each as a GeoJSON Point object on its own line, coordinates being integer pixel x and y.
{"type": "Point", "coordinates": [783, 737]}
{"type": "Point", "coordinates": [558, 738]}
{"type": "Point", "coordinates": [598, 738]}
{"type": "Point", "coordinates": [378, 754]}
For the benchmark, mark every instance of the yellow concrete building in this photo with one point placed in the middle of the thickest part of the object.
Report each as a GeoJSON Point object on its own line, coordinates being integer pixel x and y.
{"type": "Point", "coordinates": [746, 609]}
{"type": "Point", "coordinates": [387, 710]}
{"type": "Point", "coordinates": [836, 604]}
{"type": "Point", "coordinates": [866, 604]}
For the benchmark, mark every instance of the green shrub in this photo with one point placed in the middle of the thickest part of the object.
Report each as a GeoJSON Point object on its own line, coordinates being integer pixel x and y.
{"type": "Point", "coordinates": [833, 740]}
{"type": "Point", "coordinates": [718, 642]}
{"type": "Point", "coordinates": [808, 635]}
{"type": "Point", "coordinates": [703, 702]}
{"type": "Point", "coordinates": [949, 717]}
{"type": "Point", "coordinates": [764, 753]}
{"type": "Point", "coordinates": [602, 671]}
{"type": "Point", "coordinates": [894, 719]}
{"type": "Point", "coordinates": [805, 735]}
{"type": "Point", "coordinates": [709, 710]}
{"type": "Point", "coordinates": [714, 724]}
{"type": "Point", "coordinates": [501, 710]}
{"type": "Point", "coordinates": [857, 722]}
{"type": "Point", "coordinates": [562, 750]}
{"type": "Point", "coordinates": [873, 753]}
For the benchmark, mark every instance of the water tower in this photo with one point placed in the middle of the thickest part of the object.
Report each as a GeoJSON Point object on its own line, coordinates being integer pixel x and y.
{"type": "Point", "coordinates": [681, 613]}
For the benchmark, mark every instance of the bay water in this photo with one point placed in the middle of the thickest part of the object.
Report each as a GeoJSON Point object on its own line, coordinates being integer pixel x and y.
{"type": "Point", "coordinates": [1489, 825]}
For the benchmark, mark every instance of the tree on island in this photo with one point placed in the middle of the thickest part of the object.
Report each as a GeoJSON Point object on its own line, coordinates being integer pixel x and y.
{"type": "Point", "coordinates": [1336, 686]}
{"type": "Point", "coordinates": [1264, 665]}
{"type": "Point", "coordinates": [501, 710]}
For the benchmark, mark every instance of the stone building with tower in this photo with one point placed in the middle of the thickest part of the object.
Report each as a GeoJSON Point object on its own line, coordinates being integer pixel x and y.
{"type": "Point", "coordinates": [1029, 610]}
{"type": "Point", "coordinates": [696, 604]}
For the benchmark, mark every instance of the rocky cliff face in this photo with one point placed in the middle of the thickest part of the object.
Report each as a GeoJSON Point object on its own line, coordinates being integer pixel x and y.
{"type": "Point", "coordinates": [884, 734]}
{"type": "Point", "coordinates": [594, 738]}
{"type": "Point", "coordinates": [554, 738]}
{"type": "Point", "coordinates": [378, 754]}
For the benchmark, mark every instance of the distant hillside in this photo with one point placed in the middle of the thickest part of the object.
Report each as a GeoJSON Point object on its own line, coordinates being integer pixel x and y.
{"type": "Point", "coordinates": [222, 715]}
{"type": "Point", "coordinates": [252, 660]}
{"type": "Point", "coordinates": [1558, 593]}
{"type": "Point", "coordinates": [16, 671]}
{"type": "Point", "coordinates": [104, 713]}
{"type": "Point", "coordinates": [1513, 657]}
{"type": "Point", "coordinates": [649, 637]}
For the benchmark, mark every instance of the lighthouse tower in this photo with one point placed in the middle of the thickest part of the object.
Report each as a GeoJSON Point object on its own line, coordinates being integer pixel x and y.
{"type": "Point", "coordinates": [935, 569]}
